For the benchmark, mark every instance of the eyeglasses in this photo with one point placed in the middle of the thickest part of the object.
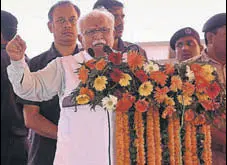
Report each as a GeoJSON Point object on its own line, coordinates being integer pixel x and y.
{"type": "Point", "coordinates": [92, 32]}
{"type": "Point", "coordinates": [72, 20]}
{"type": "Point", "coordinates": [189, 43]}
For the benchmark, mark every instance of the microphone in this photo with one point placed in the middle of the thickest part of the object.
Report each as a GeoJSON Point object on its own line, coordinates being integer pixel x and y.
{"type": "Point", "coordinates": [91, 52]}
{"type": "Point", "coordinates": [107, 49]}
{"type": "Point", "coordinates": [132, 47]}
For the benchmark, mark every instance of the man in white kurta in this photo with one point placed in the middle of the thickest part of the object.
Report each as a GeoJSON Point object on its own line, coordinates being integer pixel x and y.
{"type": "Point", "coordinates": [85, 137]}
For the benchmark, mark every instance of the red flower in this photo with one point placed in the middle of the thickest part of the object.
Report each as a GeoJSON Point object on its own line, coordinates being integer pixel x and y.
{"type": "Point", "coordinates": [210, 105]}
{"type": "Point", "coordinates": [196, 68]}
{"type": "Point", "coordinates": [189, 115]}
{"type": "Point", "coordinates": [213, 90]}
{"type": "Point", "coordinates": [116, 75]}
{"type": "Point", "coordinates": [125, 103]}
{"type": "Point", "coordinates": [169, 69]}
{"type": "Point", "coordinates": [141, 75]}
{"type": "Point", "coordinates": [141, 105]}
{"type": "Point", "coordinates": [115, 58]}
{"type": "Point", "coordinates": [91, 64]}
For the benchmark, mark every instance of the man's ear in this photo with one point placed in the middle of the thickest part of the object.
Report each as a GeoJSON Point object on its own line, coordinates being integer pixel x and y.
{"type": "Point", "coordinates": [80, 39]}
{"type": "Point", "coordinates": [50, 26]}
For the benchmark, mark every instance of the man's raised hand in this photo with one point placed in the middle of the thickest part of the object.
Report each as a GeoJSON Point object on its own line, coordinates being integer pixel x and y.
{"type": "Point", "coordinates": [16, 48]}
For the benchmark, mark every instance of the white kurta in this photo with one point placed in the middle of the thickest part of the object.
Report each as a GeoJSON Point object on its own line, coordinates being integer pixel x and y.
{"type": "Point", "coordinates": [83, 136]}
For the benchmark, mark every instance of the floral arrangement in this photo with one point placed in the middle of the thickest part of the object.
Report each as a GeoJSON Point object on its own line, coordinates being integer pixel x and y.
{"type": "Point", "coordinates": [163, 112]}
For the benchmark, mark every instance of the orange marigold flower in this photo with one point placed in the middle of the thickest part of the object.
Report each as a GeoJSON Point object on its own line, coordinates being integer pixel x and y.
{"type": "Point", "coordinates": [88, 92]}
{"type": "Point", "coordinates": [168, 112]}
{"type": "Point", "coordinates": [196, 68]}
{"type": "Point", "coordinates": [176, 83]}
{"type": "Point", "coordinates": [188, 89]}
{"type": "Point", "coordinates": [161, 94]}
{"type": "Point", "coordinates": [213, 90]}
{"type": "Point", "coordinates": [100, 65]}
{"type": "Point", "coordinates": [169, 69]}
{"type": "Point", "coordinates": [210, 105]}
{"type": "Point", "coordinates": [90, 64]}
{"type": "Point", "coordinates": [141, 75]}
{"type": "Point", "coordinates": [189, 115]}
{"type": "Point", "coordinates": [116, 75]}
{"type": "Point", "coordinates": [159, 77]}
{"type": "Point", "coordinates": [199, 120]}
{"type": "Point", "coordinates": [141, 105]}
{"type": "Point", "coordinates": [83, 74]}
{"type": "Point", "coordinates": [115, 58]}
{"type": "Point", "coordinates": [135, 60]}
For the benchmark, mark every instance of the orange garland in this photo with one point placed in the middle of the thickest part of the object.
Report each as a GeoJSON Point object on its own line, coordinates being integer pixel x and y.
{"type": "Point", "coordinates": [195, 159]}
{"type": "Point", "coordinates": [139, 142]}
{"type": "Point", "coordinates": [150, 138]}
{"type": "Point", "coordinates": [207, 153]}
{"type": "Point", "coordinates": [177, 140]}
{"type": "Point", "coordinates": [119, 139]}
{"type": "Point", "coordinates": [157, 137]}
{"type": "Point", "coordinates": [188, 144]}
{"type": "Point", "coordinates": [171, 141]}
{"type": "Point", "coordinates": [126, 139]}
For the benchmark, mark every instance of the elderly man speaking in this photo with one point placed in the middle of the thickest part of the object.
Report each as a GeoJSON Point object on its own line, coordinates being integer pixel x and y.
{"type": "Point", "coordinates": [84, 136]}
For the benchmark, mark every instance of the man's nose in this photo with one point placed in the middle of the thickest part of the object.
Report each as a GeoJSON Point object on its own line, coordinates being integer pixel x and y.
{"type": "Point", "coordinates": [185, 47]}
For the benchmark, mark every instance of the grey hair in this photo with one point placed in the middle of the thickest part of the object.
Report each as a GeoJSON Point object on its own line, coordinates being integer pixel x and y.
{"type": "Point", "coordinates": [96, 13]}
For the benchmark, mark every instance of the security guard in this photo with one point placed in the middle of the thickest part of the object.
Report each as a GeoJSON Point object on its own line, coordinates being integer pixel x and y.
{"type": "Point", "coordinates": [186, 44]}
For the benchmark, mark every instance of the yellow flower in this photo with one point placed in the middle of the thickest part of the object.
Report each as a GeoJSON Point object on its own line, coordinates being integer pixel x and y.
{"type": "Point", "coordinates": [100, 83]}
{"type": "Point", "coordinates": [146, 88]}
{"type": "Point", "coordinates": [169, 101]}
{"type": "Point", "coordinates": [208, 70]}
{"type": "Point", "coordinates": [202, 97]}
{"type": "Point", "coordinates": [125, 80]}
{"type": "Point", "coordinates": [82, 99]}
{"type": "Point", "coordinates": [184, 100]}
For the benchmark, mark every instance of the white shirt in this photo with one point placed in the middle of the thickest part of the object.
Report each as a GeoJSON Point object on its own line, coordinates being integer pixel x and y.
{"type": "Point", "coordinates": [83, 136]}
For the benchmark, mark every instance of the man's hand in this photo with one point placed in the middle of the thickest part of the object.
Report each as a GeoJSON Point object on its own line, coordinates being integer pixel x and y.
{"type": "Point", "coordinates": [16, 48]}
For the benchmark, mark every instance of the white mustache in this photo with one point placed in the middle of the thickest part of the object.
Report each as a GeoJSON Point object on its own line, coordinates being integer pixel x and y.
{"type": "Point", "coordinates": [96, 42]}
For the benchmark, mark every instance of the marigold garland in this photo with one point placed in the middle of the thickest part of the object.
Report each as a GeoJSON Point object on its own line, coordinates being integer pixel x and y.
{"type": "Point", "coordinates": [139, 127]}
{"type": "Point", "coordinates": [171, 141]}
{"type": "Point", "coordinates": [207, 153]}
{"type": "Point", "coordinates": [126, 139]}
{"type": "Point", "coordinates": [188, 144]}
{"type": "Point", "coordinates": [119, 139]}
{"type": "Point", "coordinates": [177, 140]}
{"type": "Point", "coordinates": [195, 159]}
{"type": "Point", "coordinates": [150, 138]}
{"type": "Point", "coordinates": [157, 136]}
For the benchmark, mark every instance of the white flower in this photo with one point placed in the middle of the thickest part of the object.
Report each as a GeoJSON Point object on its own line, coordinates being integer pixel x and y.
{"type": "Point", "coordinates": [151, 67]}
{"type": "Point", "coordinates": [190, 74]}
{"type": "Point", "coordinates": [109, 103]}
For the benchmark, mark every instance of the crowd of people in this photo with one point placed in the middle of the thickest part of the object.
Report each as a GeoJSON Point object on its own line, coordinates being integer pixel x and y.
{"type": "Point", "coordinates": [36, 128]}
